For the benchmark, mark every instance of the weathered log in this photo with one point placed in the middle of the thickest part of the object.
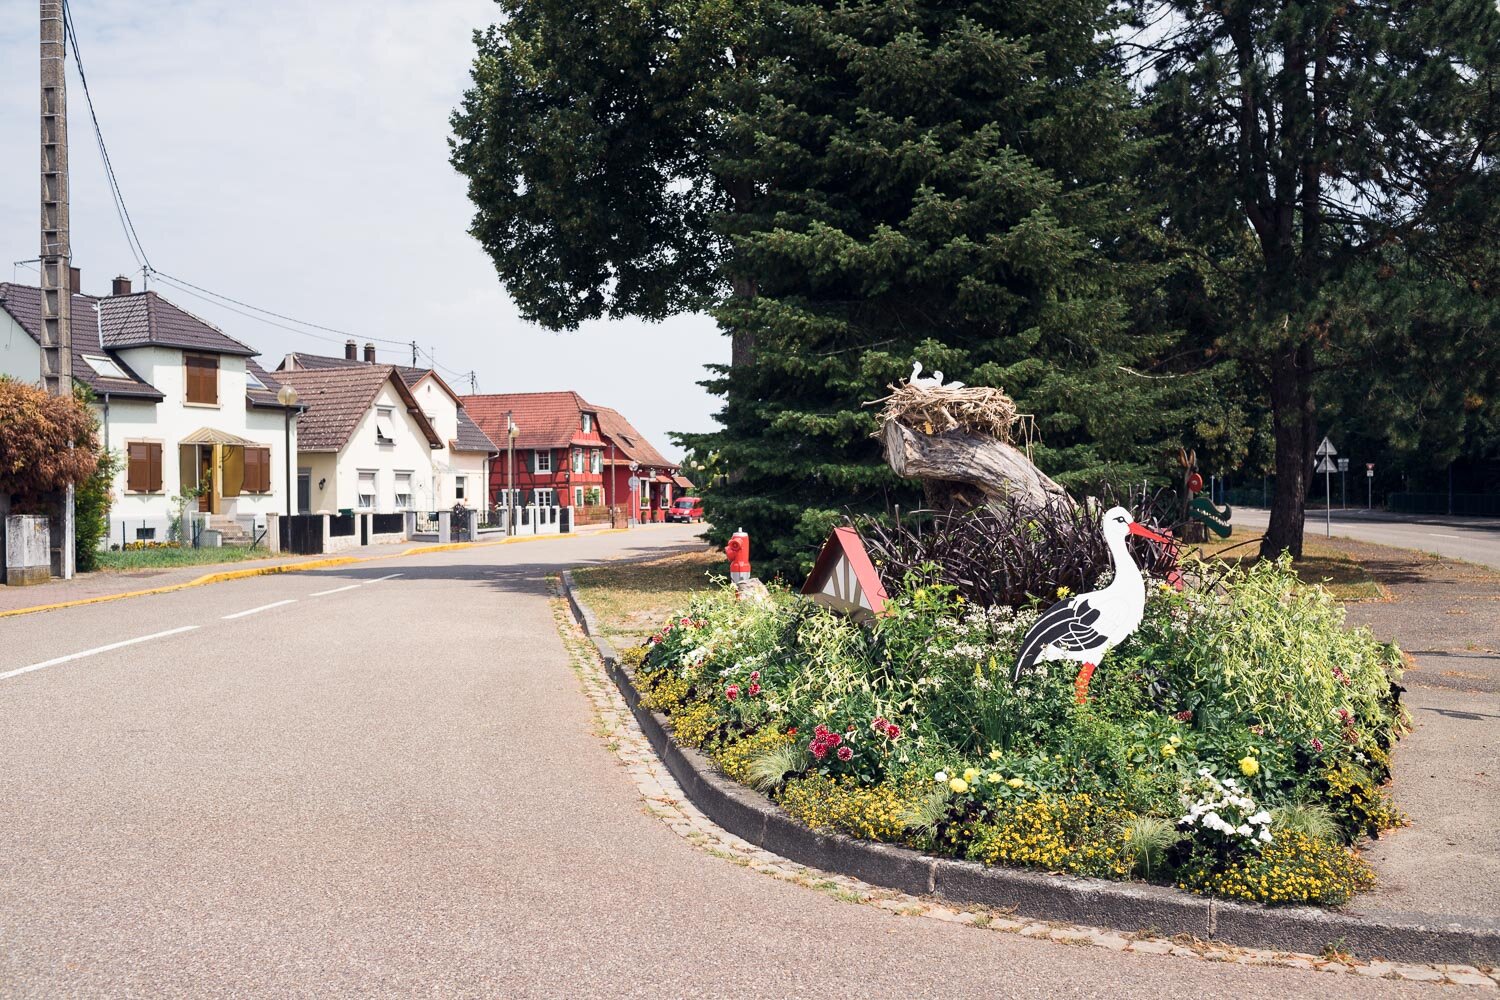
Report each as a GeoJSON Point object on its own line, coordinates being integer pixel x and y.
{"type": "Point", "coordinates": [960, 470]}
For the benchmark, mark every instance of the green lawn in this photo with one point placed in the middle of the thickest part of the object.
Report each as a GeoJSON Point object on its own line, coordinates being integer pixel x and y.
{"type": "Point", "coordinates": [632, 600]}
{"type": "Point", "coordinates": [167, 558]}
{"type": "Point", "coordinates": [1324, 560]}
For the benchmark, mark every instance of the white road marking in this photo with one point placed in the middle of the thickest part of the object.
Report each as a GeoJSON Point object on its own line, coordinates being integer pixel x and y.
{"type": "Point", "coordinates": [335, 590]}
{"type": "Point", "coordinates": [1435, 534]}
{"type": "Point", "coordinates": [379, 578]}
{"type": "Point", "coordinates": [97, 649]}
{"type": "Point", "coordinates": [263, 607]}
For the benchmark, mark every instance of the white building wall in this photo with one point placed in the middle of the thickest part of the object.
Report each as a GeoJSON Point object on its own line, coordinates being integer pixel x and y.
{"type": "Point", "coordinates": [446, 465]}
{"type": "Point", "coordinates": [20, 357]}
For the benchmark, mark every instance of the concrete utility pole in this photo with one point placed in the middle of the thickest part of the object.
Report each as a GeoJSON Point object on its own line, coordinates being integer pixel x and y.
{"type": "Point", "coordinates": [56, 255]}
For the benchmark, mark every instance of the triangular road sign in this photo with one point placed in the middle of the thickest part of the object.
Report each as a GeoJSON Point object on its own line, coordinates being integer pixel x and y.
{"type": "Point", "coordinates": [1326, 448]}
{"type": "Point", "coordinates": [1326, 465]}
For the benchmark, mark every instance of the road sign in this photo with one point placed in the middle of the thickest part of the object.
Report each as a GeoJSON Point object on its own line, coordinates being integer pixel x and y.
{"type": "Point", "coordinates": [1326, 448]}
{"type": "Point", "coordinates": [635, 483]}
{"type": "Point", "coordinates": [1370, 469]}
{"type": "Point", "coordinates": [1343, 465]}
{"type": "Point", "coordinates": [1326, 465]}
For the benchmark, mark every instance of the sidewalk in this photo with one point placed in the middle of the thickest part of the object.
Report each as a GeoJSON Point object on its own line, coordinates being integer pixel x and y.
{"type": "Point", "coordinates": [1445, 615]}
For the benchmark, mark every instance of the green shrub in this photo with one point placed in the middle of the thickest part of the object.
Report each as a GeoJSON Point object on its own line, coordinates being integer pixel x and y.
{"type": "Point", "coordinates": [876, 812]}
{"type": "Point", "coordinates": [1292, 869]}
{"type": "Point", "coordinates": [1073, 833]}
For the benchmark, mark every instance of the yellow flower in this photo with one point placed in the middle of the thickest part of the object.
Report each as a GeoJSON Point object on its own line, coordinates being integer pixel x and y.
{"type": "Point", "coordinates": [994, 755]}
{"type": "Point", "coordinates": [1015, 782]}
{"type": "Point", "coordinates": [1175, 740]}
{"type": "Point", "coordinates": [1063, 592]}
{"type": "Point", "coordinates": [996, 777]}
{"type": "Point", "coordinates": [1249, 766]}
{"type": "Point", "coordinates": [970, 773]}
{"type": "Point", "coordinates": [1168, 750]}
{"type": "Point", "coordinates": [959, 785]}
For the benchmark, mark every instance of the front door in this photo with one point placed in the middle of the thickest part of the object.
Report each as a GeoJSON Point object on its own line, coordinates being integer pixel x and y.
{"type": "Point", "coordinates": [206, 477]}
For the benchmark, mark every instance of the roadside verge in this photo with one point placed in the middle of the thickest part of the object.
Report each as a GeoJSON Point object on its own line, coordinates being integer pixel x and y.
{"type": "Point", "coordinates": [1413, 937]}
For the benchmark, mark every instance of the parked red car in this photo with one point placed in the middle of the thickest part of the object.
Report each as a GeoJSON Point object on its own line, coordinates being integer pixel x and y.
{"type": "Point", "coordinates": [686, 509]}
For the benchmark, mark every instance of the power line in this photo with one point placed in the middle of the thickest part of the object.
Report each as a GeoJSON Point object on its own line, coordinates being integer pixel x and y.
{"type": "Point", "coordinates": [132, 239]}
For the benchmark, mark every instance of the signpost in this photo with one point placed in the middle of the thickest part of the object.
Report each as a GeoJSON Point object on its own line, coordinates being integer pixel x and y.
{"type": "Point", "coordinates": [1326, 453]}
{"type": "Point", "coordinates": [1369, 483]}
{"type": "Point", "coordinates": [1343, 484]}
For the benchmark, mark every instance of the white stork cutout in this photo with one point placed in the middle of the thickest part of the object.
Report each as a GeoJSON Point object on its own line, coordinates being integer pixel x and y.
{"type": "Point", "coordinates": [1086, 626]}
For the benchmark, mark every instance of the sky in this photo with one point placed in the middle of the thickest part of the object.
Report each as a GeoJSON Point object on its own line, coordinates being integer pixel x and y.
{"type": "Point", "coordinates": [294, 156]}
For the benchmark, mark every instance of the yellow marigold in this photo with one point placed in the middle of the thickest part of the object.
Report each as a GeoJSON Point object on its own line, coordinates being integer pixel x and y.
{"type": "Point", "coordinates": [958, 785]}
{"type": "Point", "coordinates": [1249, 766]}
{"type": "Point", "coordinates": [1015, 782]}
{"type": "Point", "coordinates": [1168, 750]}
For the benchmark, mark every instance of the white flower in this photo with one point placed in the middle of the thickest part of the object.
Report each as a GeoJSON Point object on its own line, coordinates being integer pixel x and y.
{"type": "Point", "coordinates": [1265, 836]}
{"type": "Point", "coordinates": [1260, 819]}
{"type": "Point", "coordinates": [1244, 830]}
{"type": "Point", "coordinates": [940, 776]}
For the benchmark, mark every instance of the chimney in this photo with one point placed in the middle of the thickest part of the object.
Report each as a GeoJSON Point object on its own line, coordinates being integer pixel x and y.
{"type": "Point", "coordinates": [75, 281]}
{"type": "Point", "coordinates": [351, 351]}
{"type": "Point", "coordinates": [121, 285]}
{"type": "Point", "coordinates": [369, 354]}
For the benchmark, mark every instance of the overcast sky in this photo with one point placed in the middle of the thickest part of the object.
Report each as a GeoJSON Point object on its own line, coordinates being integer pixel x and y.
{"type": "Point", "coordinates": [293, 156]}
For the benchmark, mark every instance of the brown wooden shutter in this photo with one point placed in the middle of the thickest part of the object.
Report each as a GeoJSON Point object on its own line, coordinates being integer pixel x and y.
{"type": "Point", "coordinates": [258, 470]}
{"type": "Point", "coordinates": [138, 469]}
{"type": "Point", "coordinates": [202, 379]}
{"type": "Point", "coordinates": [153, 453]}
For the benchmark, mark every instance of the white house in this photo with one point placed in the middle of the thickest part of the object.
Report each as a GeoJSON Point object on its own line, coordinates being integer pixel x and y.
{"type": "Point", "coordinates": [457, 469]}
{"type": "Point", "coordinates": [365, 444]}
{"type": "Point", "coordinates": [184, 405]}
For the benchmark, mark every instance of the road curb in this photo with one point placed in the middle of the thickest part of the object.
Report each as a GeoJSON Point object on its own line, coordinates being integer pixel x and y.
{"type": "Point", "coordinates": [1129, 907]}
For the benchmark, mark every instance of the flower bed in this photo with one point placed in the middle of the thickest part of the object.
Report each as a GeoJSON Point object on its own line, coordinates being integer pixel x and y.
{"type": "Point", "coordinates": [1235, 745]}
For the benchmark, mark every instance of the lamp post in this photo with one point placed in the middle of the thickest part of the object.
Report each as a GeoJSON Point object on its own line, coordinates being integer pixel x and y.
{"type": "Point", "coordinates": [511, 430]}
{"type": "Point", "coordinates": [287, 397]}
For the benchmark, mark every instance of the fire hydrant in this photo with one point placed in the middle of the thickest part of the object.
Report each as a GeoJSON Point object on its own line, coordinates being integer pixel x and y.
{"type": "Point", "coordinates": [738, 551]}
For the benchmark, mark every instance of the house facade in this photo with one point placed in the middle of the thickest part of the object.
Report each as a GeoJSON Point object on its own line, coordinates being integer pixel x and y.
{"type": "Point", "coordinates": [365, 444]}
{"type": "Point", "coordinates": [572, 453]}
{"type": "Point", "coordinates": [559, 452]}
{"type": "Point", "coordinates": [457, 470]}
{"type": "Point", "coordinates": [194, 419]}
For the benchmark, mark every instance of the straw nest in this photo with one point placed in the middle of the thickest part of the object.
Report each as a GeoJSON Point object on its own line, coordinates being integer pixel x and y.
{"type": "Point", "coordinates": [935, 410]}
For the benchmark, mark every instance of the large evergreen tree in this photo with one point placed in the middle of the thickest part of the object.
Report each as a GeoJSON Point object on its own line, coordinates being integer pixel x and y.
{"type": "Point", "coordinates": [1331, 165]}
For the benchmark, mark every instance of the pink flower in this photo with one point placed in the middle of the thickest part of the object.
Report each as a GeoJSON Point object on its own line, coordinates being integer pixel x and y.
{"type": "Point", "coordinates": [819, 749]}
{"type": "Point", "coordinates": [755, 675]}
{"type": "Point", "coordinates": [845, 753]}
{"type": "Point", "coordinates": [820, 730]}
{"type": "Point", "coordinates": [1317, 744]}
{"type": "Point", "coordinates": [732, 692]}
{"type": "Point", "coordinates": [754, 689]}
{"type": "Point", "coordinates": [879, 724]}
{"type": "Point", "coordinates": [833, 739]}
{"type": "Point", "coordinates": [893, 732]}
{"type": "Point", "coordinates": [1183, 716]}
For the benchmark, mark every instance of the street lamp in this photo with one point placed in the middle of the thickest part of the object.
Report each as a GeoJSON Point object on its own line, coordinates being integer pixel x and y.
{"type": "Point", "coordinates": [511, 431]}
{"type": "Point", "coordinates": [287, 397]}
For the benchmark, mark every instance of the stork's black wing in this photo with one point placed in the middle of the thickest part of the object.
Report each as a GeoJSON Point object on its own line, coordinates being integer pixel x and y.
{"type": "Point", "coordinates": [1068, 625]}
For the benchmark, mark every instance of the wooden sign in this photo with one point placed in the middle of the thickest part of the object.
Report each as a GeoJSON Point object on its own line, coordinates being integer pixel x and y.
{"type": "Point", "coordinates": [844, 578]}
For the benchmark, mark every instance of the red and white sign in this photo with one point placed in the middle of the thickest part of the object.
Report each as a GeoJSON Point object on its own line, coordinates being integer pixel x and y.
{"type": "Point", "coordinates": [845, 579]}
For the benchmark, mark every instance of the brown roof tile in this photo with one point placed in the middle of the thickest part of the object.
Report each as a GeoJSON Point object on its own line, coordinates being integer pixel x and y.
{"type": "Point", "coordinates": [545, 419]}
{"type": "Point", "coordinates": [24, 304]}
{"type": "Point", "coordinates": [629, 440]}
{"type": "Point", "coordinates": [145, 319]}
{"type": "Point", "coordinates": [336, 399]}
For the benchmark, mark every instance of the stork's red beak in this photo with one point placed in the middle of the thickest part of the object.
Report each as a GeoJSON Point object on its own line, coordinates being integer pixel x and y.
{"type": "Point", "coordinates": [1145, 532]}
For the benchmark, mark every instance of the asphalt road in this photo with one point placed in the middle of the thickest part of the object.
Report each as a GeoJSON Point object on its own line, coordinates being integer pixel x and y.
{"type": "Point", "coordinates": [1474, 539]}
{"type": "Point", "coordinates": [384, 780]}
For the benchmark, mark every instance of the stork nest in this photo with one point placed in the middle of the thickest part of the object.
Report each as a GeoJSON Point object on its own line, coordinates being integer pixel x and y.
{"type": "Point", "coordinates": [975, 409]}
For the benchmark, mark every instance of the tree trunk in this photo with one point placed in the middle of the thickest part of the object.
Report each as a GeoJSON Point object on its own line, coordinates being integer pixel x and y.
{"type": "Point", "coordinates": [1293, 419]}
{"type": "Point", "coordinates": [960, 470]}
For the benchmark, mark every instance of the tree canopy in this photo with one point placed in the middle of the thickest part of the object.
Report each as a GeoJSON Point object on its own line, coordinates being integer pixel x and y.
{"type": "Point", "coordinates": [46, 443]}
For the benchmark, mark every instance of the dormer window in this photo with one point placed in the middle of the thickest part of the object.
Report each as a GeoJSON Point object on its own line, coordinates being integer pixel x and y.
{"type": "Point", "coordinates": [202, 372]}
{"type": "Point", "coordinates": [251, 381]}
{"type": "Point", "coordinates": [588, 423]}
{"type": "Point", "coordinates": [104, 367]}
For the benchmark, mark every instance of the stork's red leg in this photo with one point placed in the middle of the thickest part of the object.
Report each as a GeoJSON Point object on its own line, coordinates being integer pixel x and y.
{"type": "Point", "coordinates": [1081, 685]}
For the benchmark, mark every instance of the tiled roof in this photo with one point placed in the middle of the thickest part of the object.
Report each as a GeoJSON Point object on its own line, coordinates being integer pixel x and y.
{"type": "Point", "coordinates": [262, 397]}
{"type": "Point", "coordinates": [337, 399]}
{"type": "Point", "coordinates": [145, 319]}
{"type": "Point", "coordinates": [545, 419]}
{"type": "Point", "coordinates": [629, 440]}
{"type": "Point", "coordinates": [24, 304]}
{"type": "Point", "coordinates": [470, 437]}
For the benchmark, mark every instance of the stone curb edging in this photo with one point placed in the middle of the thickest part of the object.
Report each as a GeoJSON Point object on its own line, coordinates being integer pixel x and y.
{"type": "Point", "coordinates": [1164, 912]}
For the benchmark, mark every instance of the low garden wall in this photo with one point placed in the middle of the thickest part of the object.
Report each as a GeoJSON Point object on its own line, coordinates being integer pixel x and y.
{"type": "Point", "coordinates": [1124, 906]}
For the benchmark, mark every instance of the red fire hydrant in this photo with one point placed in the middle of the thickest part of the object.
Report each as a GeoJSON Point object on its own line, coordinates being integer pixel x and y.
{"type": "Point", "coordinates": [738, 551]}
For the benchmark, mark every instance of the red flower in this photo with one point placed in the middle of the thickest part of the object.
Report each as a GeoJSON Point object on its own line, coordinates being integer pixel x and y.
{"type": "Point", "coordinates": [755, 675]}
{"type": "Point", "coordinates": [820, 730]}
{"type": "Point", "coordinates": [845, 753]}
{"type": "Point", "coordinates": [754, 689]}
{"type": "Point", "coordinates": [833, 739]}
{"type": "Point", "coordinates": [819, 749]}
{"type": "Point", "coordinates": [893, 732]}
{"type": "Point", "coordinates": [1183, 716]}
{"type": "Point", "coordinates": [732, 692]}
{"type": "Point", "coordinates": [791, 731]}
{"type": "Point", "coordinates": [879, 724]}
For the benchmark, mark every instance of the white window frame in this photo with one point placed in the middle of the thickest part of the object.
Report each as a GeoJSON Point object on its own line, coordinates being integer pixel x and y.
{"type": "Point", "coordinates": [544, 496]}
{"type": "Point", "coordinates": [385, 425]}
{"type": "Point", "coordinates": [541, 460]}
{"type": "Point", "coordinates": [596, 460]}
{"type": "Point", "coordinates": [359, 491]}
{"type": "Point", "coordinates": [588, 423]}
{"type": "Point", "coordinates": [106, 367]}
{"type": "Point", "coordinates": [460, 487]}
{"type": "Point", "coordinates": [645, 496]}
{"type": "Point", "coordinates": [578, 496]}
{"type": "Point", "coordinates": [402, 501]}
{"type": "Point", "coordinates": [577, 459]}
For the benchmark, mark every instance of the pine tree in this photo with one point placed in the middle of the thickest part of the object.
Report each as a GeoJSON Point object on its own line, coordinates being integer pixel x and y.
{"type": "Point", "coordinates": [1331, 165]}
{"type": "Point", "coordinates": [939, 182]}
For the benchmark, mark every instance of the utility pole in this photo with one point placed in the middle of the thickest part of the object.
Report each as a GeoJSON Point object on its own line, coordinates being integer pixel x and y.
{"type": "Point", "coordinates": [414, 354]}
{"type": "Point", "coordinates": [57, 255]}
{"type": "Point", "coordinates": [510, 475]}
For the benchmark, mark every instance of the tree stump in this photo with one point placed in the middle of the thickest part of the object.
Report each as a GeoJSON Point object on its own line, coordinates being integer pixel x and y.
{"type": "Point", "coordinates": [961, 470]}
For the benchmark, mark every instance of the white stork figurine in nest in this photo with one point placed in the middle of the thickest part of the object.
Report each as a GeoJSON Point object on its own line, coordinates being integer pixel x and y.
{"type": "Point", "coordinates": [935, 382]}
{"type": "Point", "coordinates": [1086, 626]}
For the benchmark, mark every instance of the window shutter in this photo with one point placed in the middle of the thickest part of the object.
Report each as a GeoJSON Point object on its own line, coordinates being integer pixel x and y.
{"type": "Point", "coordinates": [265, 470]}
{"type": "Point", "coordinates": [153, 453]}
{"type": "Point", "coordinates": [137, 471]}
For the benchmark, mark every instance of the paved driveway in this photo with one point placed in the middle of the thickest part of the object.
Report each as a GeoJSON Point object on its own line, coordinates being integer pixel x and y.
{"type": "Point", "coordinates": [358, 782]}
{"type": "Point", "coordinates": [1473, 539]}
